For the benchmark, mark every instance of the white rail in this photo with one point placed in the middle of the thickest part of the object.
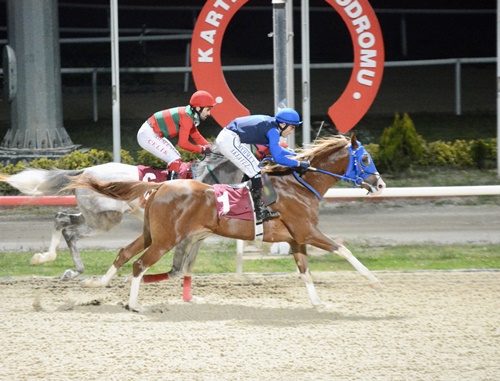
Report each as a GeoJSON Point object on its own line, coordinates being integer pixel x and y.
{"type": "Point", "coordinates": [415, 192]}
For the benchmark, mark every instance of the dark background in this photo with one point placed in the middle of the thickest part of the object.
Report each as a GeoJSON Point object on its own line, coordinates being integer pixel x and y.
{"type": "Point", "coordinates": [440, 35]}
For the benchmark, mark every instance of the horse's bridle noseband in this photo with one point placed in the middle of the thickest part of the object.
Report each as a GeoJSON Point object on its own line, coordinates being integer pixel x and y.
{"type": "Point", "coordinates": [354, 174]}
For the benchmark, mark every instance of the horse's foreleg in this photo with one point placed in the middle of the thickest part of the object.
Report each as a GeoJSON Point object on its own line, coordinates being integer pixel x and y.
{"type": "Point", "coordinates": [141, 265]}
{"type": "Point", "coordinates": [51, 254]}
{"type": "Point", "coordinates": [180, 251]}
{"type": "Point", "coordinates": [321, 241]}
{"type": "Point", "coordinates": [133, 301]}
{"type": "Point", "coordinates": [124, 255]}
{"type": "Point", "coordinates": [300, 256]}
{"type": "Point", "coordinates": [185, 255]}
{"type": "Point", "coordinates": [61, 220]}
{"type": "Point", "coordinates": [346, 253]}
{"type": "Point", "coordinates": [187, 269]}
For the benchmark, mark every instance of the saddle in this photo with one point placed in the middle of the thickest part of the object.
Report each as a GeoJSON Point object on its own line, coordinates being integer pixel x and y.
{"type": "Point", "coordinates": [235, 201]}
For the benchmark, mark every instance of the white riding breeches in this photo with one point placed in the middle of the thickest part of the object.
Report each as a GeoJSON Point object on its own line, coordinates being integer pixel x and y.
{"type": "Point", "coordinates": [156, 145]}
{"type": "Point", "coordinates": [240, 154]}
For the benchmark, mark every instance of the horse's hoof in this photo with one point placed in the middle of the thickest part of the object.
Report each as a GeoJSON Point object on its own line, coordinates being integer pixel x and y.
{"type": "Point", "coordinates": [92, 283]}
{"type": "Point", "coordinates": [196, 300]}
{"type": "Point", "coordinates": [318, 304]}
{"type": "Point", "coordinates": [376, 286]}
{"type": "Point", "coordinates": [69, 274]}
{"type": "Point", "coordinates": [133, 309]}
{"type": "Point", "coordinates": [41, 258]}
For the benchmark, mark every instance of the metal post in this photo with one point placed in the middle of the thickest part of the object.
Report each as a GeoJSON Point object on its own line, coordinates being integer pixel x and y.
{"type": "Point", "coordinates": [94, 95]}
{"type": "Point", "coordinates": [498, 88]}
{"type": "Point", "coordinates": [289, 76]}
{"type": "Point", "coordinates": [115, 81]}
{"type": "Point", "coordinates": [186, 74]}
{"type": "Point", "coordinates": [306, 75]}
{"type": "Point", "coordinates": [458, 88]}
{"type": "Point", "coordinates": [279, 45]}
{"type": "Point", "coordinates": [240, 248]}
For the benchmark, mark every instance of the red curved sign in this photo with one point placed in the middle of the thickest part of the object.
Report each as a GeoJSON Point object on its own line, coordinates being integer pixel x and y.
{"type": "Point", "coordinates": [354, 102]}
{"type": "Point", "coordinates": [368, 68]}
{"type": "Point", "coordinates": [206, 63]}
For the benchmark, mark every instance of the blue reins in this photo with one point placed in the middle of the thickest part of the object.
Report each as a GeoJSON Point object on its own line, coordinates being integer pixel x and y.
{"type": "Point", "coordinates": [353, 174]}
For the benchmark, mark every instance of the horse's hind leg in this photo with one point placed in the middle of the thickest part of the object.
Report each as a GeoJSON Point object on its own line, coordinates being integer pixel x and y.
{"type": "Point", "coordinates": [184, 258]}
{"type": "Point", "coordinates": [77, 227]}
{"type": "Point", "coordinates": [124, 255]}
{"type": "Point", "coordinates": [302, 262]}
{"type": "Point", "coordinates": [188, 264]}
{"type": "Point", "coordinates": [60, 221]}
{"type": "Point", "coordinates": [141, 265]}
{"type": "Point", "coordinates": [180, 251]}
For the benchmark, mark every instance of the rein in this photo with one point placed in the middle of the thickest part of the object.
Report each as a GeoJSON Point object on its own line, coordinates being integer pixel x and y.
{"type": "Point", "coordinates": [353, 174]}
{"type": "Point", "coordinates": [210, 170]}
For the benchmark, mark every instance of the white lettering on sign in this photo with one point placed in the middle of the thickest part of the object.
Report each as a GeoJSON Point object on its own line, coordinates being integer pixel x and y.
{"type": "Point", "coordinates": [365, 40]}
{"type": "Point", "coordinates": [213, 19]}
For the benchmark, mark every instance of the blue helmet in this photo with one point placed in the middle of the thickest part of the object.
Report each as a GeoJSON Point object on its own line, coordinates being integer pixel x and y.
{"type": "Point", "coordinates": [288, 115]}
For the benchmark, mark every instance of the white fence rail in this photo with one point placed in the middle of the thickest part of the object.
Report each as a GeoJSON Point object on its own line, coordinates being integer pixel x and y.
{"type": "Point", "coordinates": [415, 192]}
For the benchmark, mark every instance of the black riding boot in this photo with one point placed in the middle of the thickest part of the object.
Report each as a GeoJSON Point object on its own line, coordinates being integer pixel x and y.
{"type": "Point", "coordinates": [261, 211]}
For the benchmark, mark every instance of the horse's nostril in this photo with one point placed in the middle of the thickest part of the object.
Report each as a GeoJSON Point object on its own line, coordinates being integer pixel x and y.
{"type": "Point", "coordinates": [380, 186]}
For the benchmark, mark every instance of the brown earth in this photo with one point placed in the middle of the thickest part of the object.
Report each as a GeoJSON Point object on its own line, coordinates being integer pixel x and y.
{"type": "Point", "coordinates": [422, 326]}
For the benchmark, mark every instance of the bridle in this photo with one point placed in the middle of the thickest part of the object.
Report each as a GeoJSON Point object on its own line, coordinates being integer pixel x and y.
{"type": "Point", "coordinates": [355, 173]}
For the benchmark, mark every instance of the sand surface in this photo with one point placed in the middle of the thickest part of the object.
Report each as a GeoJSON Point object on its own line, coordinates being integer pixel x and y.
{"type": "Point", "coordinates": [422, 326]}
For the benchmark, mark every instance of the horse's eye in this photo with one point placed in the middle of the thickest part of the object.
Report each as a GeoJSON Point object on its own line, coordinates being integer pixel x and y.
{"type": "Point", "coordinates": [365, 160]}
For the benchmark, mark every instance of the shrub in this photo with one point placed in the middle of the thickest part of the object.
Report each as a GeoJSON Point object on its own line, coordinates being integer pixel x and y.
{"type": "Point", "coordinates": [483, 153]}
{"type": "Point", "coordinates": [400, 145]}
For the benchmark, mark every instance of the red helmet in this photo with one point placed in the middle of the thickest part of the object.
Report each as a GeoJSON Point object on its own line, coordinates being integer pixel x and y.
{"type": "Point", "coordinates": [202, 99]}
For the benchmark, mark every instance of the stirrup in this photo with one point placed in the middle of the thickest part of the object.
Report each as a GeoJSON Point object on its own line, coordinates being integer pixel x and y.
{"type": "Point", "coordinates": [264, 214]}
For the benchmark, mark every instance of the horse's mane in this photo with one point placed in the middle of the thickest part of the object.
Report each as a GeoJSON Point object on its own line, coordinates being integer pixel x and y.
{"type": "Point", "coordinates": [331, 143]}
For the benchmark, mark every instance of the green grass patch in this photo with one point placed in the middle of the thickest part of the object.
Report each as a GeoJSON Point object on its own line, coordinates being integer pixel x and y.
{"type": "Point", "coordinates": [221, 258]}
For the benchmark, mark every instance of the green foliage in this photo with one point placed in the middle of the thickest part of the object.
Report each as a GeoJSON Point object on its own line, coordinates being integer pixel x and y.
{"type": "Point", "coordinates": [400, 146]}
{"type": "Point", "coordinates": [462, 153]}
{"type": "Point", "coordinates": [372, 149]}
{"type": "Point", "coordinates": [483, 153]}
{"type": "Point", "coordinates": [401, 149]}
{"type": "Point", "coordinates": [79, 159]}
{"type": "Point", "coordinates": [439, 153]}
{"type": "Point", "coordinates": [126, 157]}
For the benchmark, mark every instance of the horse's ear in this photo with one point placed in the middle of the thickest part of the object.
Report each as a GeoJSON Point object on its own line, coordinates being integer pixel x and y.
{"type": "Point", "coordinates": [354, 141]}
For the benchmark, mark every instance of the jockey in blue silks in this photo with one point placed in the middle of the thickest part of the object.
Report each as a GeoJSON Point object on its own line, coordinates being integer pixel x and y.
{"type": "Point", "coordinates": [234, 143]}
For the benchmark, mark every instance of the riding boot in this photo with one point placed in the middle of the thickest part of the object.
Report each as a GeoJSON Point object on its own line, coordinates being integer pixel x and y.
{"type": "Point", "coordinates": [261, 211]}
{"type": "Point", "coordinates": [174, 169]}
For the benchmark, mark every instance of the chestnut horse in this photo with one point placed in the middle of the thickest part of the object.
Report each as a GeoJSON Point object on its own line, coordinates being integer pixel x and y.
{"type": "Point", "coordinates": [179, 209]}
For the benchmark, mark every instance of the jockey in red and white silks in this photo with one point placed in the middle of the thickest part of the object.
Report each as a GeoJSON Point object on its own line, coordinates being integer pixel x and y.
{"type": "Point", "coordinates": [178, 121]}
{"type": "Point", "coordinates": [233, 143]}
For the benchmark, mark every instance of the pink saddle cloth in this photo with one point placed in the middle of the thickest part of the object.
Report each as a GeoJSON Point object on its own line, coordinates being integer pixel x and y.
{"type": "Point", "coordinates": [233, 202]}
{"type": "Point", "coordinates": [152, 175]}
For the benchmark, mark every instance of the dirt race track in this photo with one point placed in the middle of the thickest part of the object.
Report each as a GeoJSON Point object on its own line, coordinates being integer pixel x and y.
{"type": "Point", "coordinates": [422, 326]}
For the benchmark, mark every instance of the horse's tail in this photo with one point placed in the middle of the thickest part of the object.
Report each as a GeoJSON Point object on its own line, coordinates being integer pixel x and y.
{"type": "Point", "coordinates": [41, 182]}
{"type": "Point", "coordinates": [119, 190]}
